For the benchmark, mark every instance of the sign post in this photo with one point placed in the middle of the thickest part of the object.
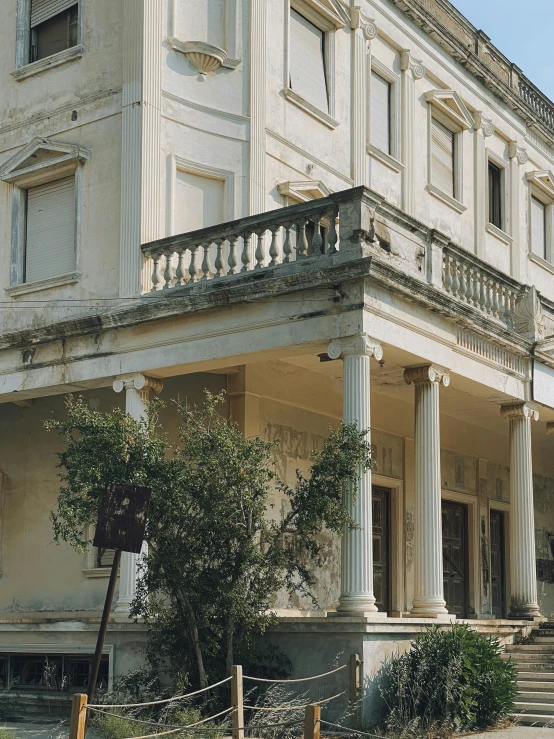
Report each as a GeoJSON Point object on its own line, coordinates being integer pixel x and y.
{"type": "Point", "coordinates": [121, 524]}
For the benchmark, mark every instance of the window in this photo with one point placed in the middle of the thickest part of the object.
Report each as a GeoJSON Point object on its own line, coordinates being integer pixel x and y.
{"type": "Point", "coordinates": [54, 27]}
{"type": "Point", "coordinates": [495, 196]}
{"type": "Point", "coordinates": [199, 201]}
{"type": "Point", "coordinates": [443, 156]}
{"type": "Point", "coordinates": [50, 232]}
{"type": "Point", "coordinates": [54, 672]}
{"type": "Point", "coordinates": [307, 61]}
{"type": "Point", "coordinates": [538, 227]}
{"type": "Point", "coordinates": [104, 558]}
{"type": "Point", "coordinates": [380, 113]}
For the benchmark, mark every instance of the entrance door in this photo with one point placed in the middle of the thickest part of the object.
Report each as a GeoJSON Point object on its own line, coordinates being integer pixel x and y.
{"type": "Point", "coordinates": [498, 580]}
{"type": "Point", "coordinates": [381, 548]}
{"type": "Point", "coordinates": [454, 557]}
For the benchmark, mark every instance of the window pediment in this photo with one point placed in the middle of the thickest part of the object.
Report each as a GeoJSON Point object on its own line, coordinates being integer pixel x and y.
{"type": "Point", "coordinates": [330, 10]}
{"type": "Point", "coordinates": [304, 190]}
{"type": "Point", "coordinates": [450, 104]}
{"type": "Point", "coordinates": [543, 180]}
{"type": "Point", "coordinates": [41, 156]}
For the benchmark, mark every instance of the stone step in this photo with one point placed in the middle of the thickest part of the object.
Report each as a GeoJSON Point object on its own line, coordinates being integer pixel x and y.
{"type": "Point", "coordinates": [532, 719]}
{"type": "Point", "coordinates": [536, 668]}
{"type": "Point", "coordinates": [541, 676]}
{"type": "Point", "coordinates": [530, 657]}
{"type": "Point", "coordinates": [534, 696]}
{"type": "Point", "coordinates": [530, 648]}
{"type": "Point", "coordinates": [544, 709]}
{"type": "Point", "coordinates": [536, 684]}
{"type": "Point", "coordinates": [540, 639]}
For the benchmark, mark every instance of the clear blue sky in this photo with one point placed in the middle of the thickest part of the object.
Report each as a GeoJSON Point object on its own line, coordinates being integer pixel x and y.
{"type": "Point", "coordinates": [523, 30]}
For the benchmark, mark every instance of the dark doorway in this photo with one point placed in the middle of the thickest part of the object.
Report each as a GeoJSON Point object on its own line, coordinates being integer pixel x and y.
{"type": "Point", "coordinates": [454, 557]}
{"type": "Point", "coordinates": [498, 570]}
{"type": "Point", "coordinates": [381, 548]}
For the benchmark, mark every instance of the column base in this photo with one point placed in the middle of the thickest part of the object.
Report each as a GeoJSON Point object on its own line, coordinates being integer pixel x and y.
{"type": "Point", "coordinates": [353, 605]}
{"type": "Point", "coordinates": [524, 612]}
{"type": "Point", "coordinates": [432, 608]}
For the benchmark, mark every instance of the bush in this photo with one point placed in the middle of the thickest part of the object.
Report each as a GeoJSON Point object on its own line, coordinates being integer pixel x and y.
{"type": "Point", "coordinates": [451, 680]}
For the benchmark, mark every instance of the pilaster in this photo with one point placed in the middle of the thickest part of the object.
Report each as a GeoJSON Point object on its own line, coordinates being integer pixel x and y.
{"type": "Point", "coordinates": [357, 595]}
{"type": "Point", "coordinates": [364, 30]}
{"type": "Point", "coordinates": [518, 157]}
{"type": "Point", "coordinates": [428, 599]}
{"type": "Point", "coordinates": [258, 62]}
{"type": "Point", "coordinates": [412, 70]}
{"type": "Point", "coordinates": [483, 128]}
{"type": "Point", "coordinates": [523, 573]}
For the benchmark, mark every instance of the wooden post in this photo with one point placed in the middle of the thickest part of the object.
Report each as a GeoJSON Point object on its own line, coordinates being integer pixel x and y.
{"type": "Point", "coordinates": [237, 701]}
{"type": "Point", "coordinates": [312, 723]}
{"type": "Point", "coordinates": [78, 716]}
{"type": "Point", "coordinates": [355, 685]}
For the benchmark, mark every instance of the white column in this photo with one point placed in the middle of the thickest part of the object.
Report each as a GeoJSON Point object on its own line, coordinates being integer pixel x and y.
{"type": "Point", "coordinates": [138, 389]}
{"type": "Point", "coordinates": [364, 29]}
{"type": "Point", "coordinates": [429, 589]}
{"type": "Point", "coordinates": [523, 568]}
{"type": "Point", "coordinates": [518, 157]}
{"type": "Point", "coordinates": [412, 70]}
{"type": "Point", "coordinates": [357, 545]}
{"type": "Point", "coordinates": [483, 128]}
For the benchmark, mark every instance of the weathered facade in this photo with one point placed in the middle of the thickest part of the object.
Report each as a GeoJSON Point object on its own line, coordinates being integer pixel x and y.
{"type": "Point", "coordinates": [329, 211]}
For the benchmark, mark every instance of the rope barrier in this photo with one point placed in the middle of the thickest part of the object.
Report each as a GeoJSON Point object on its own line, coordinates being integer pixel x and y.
{"type": "Point", "coordinates": [165, 700]}
{"type": "Point", "coordinates": [190, 726]}
{"type": "Point", "coordinates": [297, 680]}
{"type": "Point", "coordinates": [296, 708]}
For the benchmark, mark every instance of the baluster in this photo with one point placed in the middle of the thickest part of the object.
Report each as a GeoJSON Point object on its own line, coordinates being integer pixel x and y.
{"type": "Point", "coordinates": [287, 246]}
{"type": "Point", "coordinates": [301, 243]}
{"type": "Point", "coordinates": [482, 292]}
{"type": "Point", "coordinates": [476, 288]}
{"type": "Point", "coordinates": [488, 303]}
{"type": "Point", "coordinates": [273, 250]}
{"type": "Point", "coordinates": [219, 258]}
{"type": "Point", "coordinates": [455, 280]}
{"type": "Point", "coordinates": [245, 256]}
{"type": "Point", "coordinates": [168, 272]}
{"type": "Point", "coordinates": [317, 241]}
{"type": "Point", "coordinates": [447, 277]}
{"type": "Point", "coordinates": [232, 260]}
{"type": "Point", "coordinates": [156, 277]}
{"type": "Point", "coordinates": [180, 277]}
{"type": "Point", "coordinates": [463, 283]}
{"type": "Point", "coordinates": [193, 269]}
{"type": "Point", "coordinates": [332, 236]}
{"type": "Point", "coordinates": [495, 303]}
{"type": "Point", "coordinates": [206, 265]}
{"type": "Point", "coordinates": [260, 249]}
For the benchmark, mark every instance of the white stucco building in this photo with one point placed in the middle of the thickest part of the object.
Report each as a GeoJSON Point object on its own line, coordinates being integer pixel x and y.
{"type": "Point", "coordinates": [328, 210]}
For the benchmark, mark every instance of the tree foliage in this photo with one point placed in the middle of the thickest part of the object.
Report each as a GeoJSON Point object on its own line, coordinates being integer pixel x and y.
{"type": "Point", "coordinates": [216, 560]}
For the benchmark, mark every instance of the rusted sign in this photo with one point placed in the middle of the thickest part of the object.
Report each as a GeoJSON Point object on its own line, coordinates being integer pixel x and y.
{"type": "Point", "coordinates": [122, 518]}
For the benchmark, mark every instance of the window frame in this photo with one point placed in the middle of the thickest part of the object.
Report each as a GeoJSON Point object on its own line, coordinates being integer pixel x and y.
{"type": "Point", "coordinates": [392, 159]}
{"type": "Point", "coordinates": [541, 187]}
{"type": "Point", "coordinates": [501, 232]}
{"type": "Point", "coordinates": [328, 25]}
{"type": "Point", "coordinates": [24, 67]}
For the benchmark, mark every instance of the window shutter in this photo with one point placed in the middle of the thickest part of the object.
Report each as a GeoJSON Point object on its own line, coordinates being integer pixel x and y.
{"type": "Point", "coordinates": [538, 227]}
{"type": "Point", "coordinates": [104, 557]}
{"type": "Point", "coordinates": [379, 113]}
{"type": "Point", "coordinates": [42, 10]}
{"type": "Point", "coordinates": [50, 247]}
{"type": "Point", "coordinates": [442, 157]}
{"type": "Point", "coordinates": [307, 65]}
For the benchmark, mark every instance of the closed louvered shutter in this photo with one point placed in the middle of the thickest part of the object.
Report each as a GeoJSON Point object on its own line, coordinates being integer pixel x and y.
{"type": "Point", "coordinates": [442, 158]}
{"type": "Point", "coordinates": [379, 113]}
{"type": "Point", "coordinates": [50, 246]}
{"type": "Point", "coordinates": [538, 227]}
{"type": "Point", "coordinates": [104, 557]}
{"type": "Point", "coordinates": [307, 65]}
{"type": "Point", "coordinates": [42, 10]}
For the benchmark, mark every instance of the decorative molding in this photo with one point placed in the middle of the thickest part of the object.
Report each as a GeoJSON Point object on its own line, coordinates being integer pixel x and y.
{"type": "Point", "coordinates": [359, 20]}
{"type": "Point", "coordinates": [481, 122]}
{"type": "Point", "coordinates": [360, 344]}
{"type": "Point", "coordinates": [49, 62]}
{"type": "Point", "coordinates": [307, 107]}
{"type": "Point", "coordinates": [183, 48]}
{"type": "Point", "coordinates": [331, 10]}
{"type": "Point", "coordinates": [137, 382]}
{"type": "Point", "coordinates": [491, 352]}
{"type": "Point", "coordinates": [543, 180]}
{"type": "Point", "coordinates": [528, 316]}
{"type": "Point", "coordinates": [409, 64]}
{"type": "Point", "coordinates": [520, 410]}
{"type": "Point", "coordinates": [71, 278]}
{"type": "Point", "coordinates": [515, 151]}
{"type": "Point", "coordinates": [65, 154]}
{"type": "Point", "coordinates": [205, 58]}
{"type": "Point", "coordinates": [450, 104]}
{"type": "Point", "coordinates": [314, 188]}
{"type": "Point", "coordinates": [427, 373]}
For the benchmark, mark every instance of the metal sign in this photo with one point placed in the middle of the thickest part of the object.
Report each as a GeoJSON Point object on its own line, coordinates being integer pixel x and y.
{"type": "Point", "coordinates": [122, 518]}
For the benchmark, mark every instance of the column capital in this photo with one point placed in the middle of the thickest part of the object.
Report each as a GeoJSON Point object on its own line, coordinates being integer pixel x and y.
{"type": "Point", "coordinates": [481, 122]}
{"type": "Point", "coordinates": [363, 22]}
{"type": "Point", "coordinates": [137, 381]}
{"type": "Point", "coordinates": [520, 410]}
{"type": "Point", "coordinates": [409, 64]}
{"type": "Point", "coordinates": [360, 344]}
{"type": "Point", "coordinates": [427, 373]}
{"type": "Point", "coordinates": [515, 151]}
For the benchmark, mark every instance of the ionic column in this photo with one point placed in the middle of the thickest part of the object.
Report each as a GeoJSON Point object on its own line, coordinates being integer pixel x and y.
{"type": "Point", "coordinates": [523, 572]}
{"type": "Point", "coordinates": [357, 545]}
{"type": "Point", "coordinates": [428, 590]}
{"type": "Point", "coordinates": [138, 389]}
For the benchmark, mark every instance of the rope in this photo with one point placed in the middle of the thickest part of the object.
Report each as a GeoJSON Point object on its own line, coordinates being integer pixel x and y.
{"type": "Point", "coordinates": [165, 700]}
{"type": "Point", "coordinates": [296, 708]}
{"type": "Point", "coordinates": [350, 731]}
{"type": "Point", "coordinates": [190, 726]}
{"type": "Point", "coordinates": [297, 680]}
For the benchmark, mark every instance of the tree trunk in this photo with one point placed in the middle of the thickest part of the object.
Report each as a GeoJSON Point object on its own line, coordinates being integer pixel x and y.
{"type": "Point", "coordinates": [195, 638]}
{"type": "Point", "coordinates": [229, 656]}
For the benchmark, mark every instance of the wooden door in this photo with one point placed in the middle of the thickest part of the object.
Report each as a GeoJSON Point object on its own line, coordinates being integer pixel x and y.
{"type": "Point", "coordinates": [454, 551]}
{"type": "Point", "coordinates": [498, 570]}
{"type": "Point", "coordinates": [381, 548]}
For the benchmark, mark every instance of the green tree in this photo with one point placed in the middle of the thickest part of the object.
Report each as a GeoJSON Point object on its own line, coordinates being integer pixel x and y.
{"type": "Point", "coordinates": [216, 560]}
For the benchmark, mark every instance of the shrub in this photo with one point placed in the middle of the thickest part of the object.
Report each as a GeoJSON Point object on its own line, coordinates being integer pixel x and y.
{"type": "Point", "coordinates": [451, 680]}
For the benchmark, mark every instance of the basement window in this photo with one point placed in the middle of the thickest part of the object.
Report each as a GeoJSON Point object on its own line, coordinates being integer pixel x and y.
{"type": "Point", "coordinates": [62, 673]}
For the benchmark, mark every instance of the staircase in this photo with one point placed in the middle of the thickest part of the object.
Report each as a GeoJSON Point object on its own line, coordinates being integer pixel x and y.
{"type": "Point", "coordinates": [534, 662]}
